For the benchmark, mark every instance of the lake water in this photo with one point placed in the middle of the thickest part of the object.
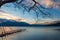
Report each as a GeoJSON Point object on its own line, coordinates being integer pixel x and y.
{"type": "Point", "coordinates": [35, 33]}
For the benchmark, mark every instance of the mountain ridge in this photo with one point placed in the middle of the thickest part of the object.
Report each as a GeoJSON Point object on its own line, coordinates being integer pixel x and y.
{"type": "Point", "coordinates": [6, 22]}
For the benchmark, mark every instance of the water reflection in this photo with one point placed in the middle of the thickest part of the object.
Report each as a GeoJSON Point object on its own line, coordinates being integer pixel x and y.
{"type": "Point", "coordinates": [32, 33]}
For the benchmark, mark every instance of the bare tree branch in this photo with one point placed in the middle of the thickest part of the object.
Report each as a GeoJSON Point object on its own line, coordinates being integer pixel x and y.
{"type": "Point", "coordinates": [2, 2]}
{"type": "Point", "coordinates": [24, 4]}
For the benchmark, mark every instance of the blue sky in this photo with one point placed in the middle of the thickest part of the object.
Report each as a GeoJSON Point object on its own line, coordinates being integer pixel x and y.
{"type": "Point", "coordinates": [30, 16]}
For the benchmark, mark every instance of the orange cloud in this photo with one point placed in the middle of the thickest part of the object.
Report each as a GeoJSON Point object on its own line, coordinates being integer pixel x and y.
{"type": "Point", "coordinates": [10, 17]}
{"type": "Point", "coordinates": [48, 3]}
{"type": "Point", "coordinates": [7, 16]}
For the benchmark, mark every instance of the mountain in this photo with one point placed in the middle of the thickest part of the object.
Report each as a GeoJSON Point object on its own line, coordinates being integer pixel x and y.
{"type": "Point", "coordinates": [54, 23]}
{"type": "Point", "coordinates": [5, 22]}
{"type": "Point", "coordinates": [57, 23]}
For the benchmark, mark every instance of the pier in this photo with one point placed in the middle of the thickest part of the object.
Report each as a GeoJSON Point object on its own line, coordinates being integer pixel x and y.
{"type": "Point", "coordinates": [11, 32]}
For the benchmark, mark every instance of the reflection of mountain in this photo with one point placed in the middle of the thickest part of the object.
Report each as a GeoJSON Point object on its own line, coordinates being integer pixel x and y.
{"type": "Point", "coordinates": [5, 22]}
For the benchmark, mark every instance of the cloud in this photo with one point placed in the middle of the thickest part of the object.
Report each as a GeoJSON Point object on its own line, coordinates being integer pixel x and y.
{"type": "Point", "coordinates": [48, 3]}
{"type": "Point", "coordinates": [10, 17]}
{"type": "Point", "coordinates": [48, 21]}
{"type": "Point", "coordinates": [7, 16]}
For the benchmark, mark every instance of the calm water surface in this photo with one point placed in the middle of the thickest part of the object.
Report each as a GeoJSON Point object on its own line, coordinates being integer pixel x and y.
{"type": "Point", "coordinates": [35, 33]}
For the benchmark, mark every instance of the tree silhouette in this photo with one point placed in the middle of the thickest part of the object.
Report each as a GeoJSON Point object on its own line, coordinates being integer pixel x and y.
{"type": "Point", "coordinates": [2, 2]}
{"type": "Point", "coordinates": [33, 5]}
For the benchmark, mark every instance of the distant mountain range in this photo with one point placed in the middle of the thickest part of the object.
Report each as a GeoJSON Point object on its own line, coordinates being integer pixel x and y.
{"type": "Point", "coordinates": [5, 22]}
{"type": "Point", "coordinates": [55, 24]}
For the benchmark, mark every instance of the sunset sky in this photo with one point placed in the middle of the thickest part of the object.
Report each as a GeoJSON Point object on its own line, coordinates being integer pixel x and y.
{"type": "Point", "coordinates": [15, 13]}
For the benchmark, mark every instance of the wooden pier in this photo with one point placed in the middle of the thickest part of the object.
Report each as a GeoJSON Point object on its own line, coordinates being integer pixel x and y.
{"type": "Point", "coordinates": [11, 32]}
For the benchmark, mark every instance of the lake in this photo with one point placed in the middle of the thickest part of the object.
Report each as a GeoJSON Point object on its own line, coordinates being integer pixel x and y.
{"type": "Point", "coordinates": [34, 33]}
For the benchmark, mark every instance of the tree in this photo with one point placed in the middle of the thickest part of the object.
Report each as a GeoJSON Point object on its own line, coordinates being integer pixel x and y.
{"type": "Point", "coordinates": [33, 5]}
{"type": "Point", "coordinates": [2, 2]}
